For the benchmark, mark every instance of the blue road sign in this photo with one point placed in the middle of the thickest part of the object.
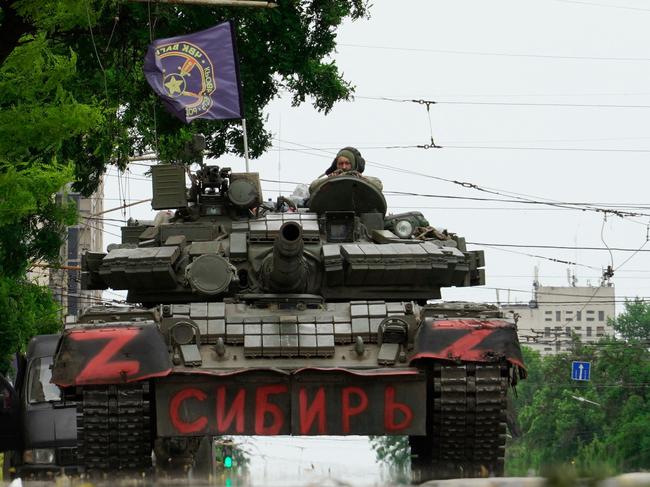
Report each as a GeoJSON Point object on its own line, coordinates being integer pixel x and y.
{"type": "Point", "coordinates": [580, 370]}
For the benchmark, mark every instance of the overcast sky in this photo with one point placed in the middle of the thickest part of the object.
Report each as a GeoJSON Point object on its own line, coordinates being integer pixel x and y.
{"type": "Point", "coordinates": [479, 60]}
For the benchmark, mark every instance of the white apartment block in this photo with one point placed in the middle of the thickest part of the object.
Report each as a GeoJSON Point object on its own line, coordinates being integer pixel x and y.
{"type": "Point", "coordinates": [548, 322]}
{"type": "Point", "coordinates": [86, 235]}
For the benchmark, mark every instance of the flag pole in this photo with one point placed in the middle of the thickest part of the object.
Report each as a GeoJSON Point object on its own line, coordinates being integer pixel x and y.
{"type": "Point", "coordinates": [243, 124]}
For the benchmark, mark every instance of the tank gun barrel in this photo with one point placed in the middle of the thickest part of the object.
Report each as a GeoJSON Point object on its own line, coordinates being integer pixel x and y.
{"type": "Point", "coordinates": [286, 268]}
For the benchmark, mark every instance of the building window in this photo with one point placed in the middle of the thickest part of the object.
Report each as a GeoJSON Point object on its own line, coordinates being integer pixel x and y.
{"type": "Point", "coordinates": [548, 312]}
{"type": "Point", "coordinates": [568, 330]}
{"type": "Point", "coordinates": [547, 331]}
{"type": "Point", "coordinates": [578, 315]}
{"type": "Point", "coordinates": [600, 331]}
{"type": "Point", "coordinates": [568, 312]}
{"type": "Point", "coordinates": [590, 318]}
{"type": "Point", "coordinates": [601, 316]}
{"type": "Point", "coordinates": [589, 331]}
{"type": "Point", "coordinates": [558, 316]}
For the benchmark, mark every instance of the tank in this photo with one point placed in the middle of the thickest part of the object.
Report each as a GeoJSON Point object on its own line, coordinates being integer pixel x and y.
{"type": "Point", "coordinates": [253, 318]}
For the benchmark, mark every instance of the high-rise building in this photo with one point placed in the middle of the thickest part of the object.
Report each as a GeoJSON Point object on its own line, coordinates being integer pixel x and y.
{"type": "Point", "coordinates": [556, 313]}
{"type": "Point", "coordinates": [86, 235]}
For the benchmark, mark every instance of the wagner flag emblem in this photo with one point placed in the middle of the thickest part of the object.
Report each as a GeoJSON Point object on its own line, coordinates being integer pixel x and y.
{"type": "Point", "coordinates": [197, 75]}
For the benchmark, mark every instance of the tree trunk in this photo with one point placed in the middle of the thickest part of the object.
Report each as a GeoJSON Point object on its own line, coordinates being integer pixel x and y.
{"type": "Point", "coordinates": [12, 29]}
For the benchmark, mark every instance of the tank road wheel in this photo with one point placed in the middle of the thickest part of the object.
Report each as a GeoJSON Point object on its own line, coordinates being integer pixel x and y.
{"type": "Point", "coordinates": [466, 424]}
{"type": "Point", "coordinates": [114, 430]}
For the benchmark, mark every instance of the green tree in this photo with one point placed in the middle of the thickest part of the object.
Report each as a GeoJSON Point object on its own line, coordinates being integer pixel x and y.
{"type": "Point", "coordinates": [604, 436]}
{"type": "Point", "coordinates": [38, 115]}
{"type": "Point", "coordinates": [285, 49]}
{"type": "Point", "coordinates": [634, 322]}
{"type": "Point", "coordinates": [27, 310]}
{"type": "Point", "coordinates": [393, 452]}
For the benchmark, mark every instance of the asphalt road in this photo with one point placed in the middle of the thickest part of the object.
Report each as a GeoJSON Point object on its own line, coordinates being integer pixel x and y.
{"type": "Point", "coordinates": [625, 480]}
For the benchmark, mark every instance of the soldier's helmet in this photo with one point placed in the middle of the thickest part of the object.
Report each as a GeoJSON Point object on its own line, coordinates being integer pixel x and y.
{"type": "Point", "coordinates": [357, 160]}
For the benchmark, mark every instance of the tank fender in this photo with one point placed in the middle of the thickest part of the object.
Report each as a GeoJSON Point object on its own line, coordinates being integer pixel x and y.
{"type": "Point", "coordinates": [471, 340]}
{"type": "Point", "coordinates": [110, 355]}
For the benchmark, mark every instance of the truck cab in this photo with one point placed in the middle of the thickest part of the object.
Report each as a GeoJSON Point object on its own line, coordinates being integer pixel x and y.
{"type": "Point", "coordinates": [38, 430]}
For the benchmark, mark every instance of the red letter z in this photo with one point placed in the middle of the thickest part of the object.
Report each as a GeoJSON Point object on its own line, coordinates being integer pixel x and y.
{"type": "Point", "coordinates": [99, 369]}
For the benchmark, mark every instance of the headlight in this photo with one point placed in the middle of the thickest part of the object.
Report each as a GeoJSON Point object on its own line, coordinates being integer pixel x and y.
{"type": "Point", "coordinates": [403, 229]}
{"type": "Point", "coordinates": [182, 333]}
{"type": "Point", "coordinates": [39, 455]}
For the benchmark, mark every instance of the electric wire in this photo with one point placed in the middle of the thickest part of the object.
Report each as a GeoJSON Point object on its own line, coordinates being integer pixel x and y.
{"type": "Point", "coordinates": [470, 185]}
{"type": "Point", "coordinates": [495, 53]}
{"type": "Point", "coordinates": [605, 5]}
{"type": "Point", "coordinates": [561, 247]}
{"type": "Point", "coordinates": [99, 61]}
{"type": "Point", "coordinates": [640, 249]}
{"type": "Point", "coordinates": [427, 102]}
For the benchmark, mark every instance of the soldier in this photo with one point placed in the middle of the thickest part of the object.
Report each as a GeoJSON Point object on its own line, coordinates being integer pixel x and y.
{"type": "Point", "coordinates": [347, 161]}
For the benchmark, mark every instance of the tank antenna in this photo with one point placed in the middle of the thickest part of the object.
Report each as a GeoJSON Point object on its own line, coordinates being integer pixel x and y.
{"type": "Point", "coordinates": [243, 124]}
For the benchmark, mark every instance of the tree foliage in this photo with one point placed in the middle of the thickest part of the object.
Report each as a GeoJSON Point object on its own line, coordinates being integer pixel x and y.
{"type": "Point", "coordinates": [287, 49]}
{"type": "Point", "coordinates": [634, 323]}
{"type": "Point", "coordinates": [394, 453]}
{"type": "Point", "coordinates": [39, 115]}
{"type": "Point", "coordinates": [607, 437]}
{"type": "Point", "coordinates": [27, 310]}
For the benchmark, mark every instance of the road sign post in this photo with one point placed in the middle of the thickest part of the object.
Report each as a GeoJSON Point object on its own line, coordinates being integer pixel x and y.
{"type": "Point", "coordinates": [580, 370]}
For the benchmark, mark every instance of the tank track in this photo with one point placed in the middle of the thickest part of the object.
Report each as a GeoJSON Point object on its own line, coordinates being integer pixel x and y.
{"type": "Point", "coordinates": [467, 426]}
{"type": "Point", "coordinates": [114, 428]}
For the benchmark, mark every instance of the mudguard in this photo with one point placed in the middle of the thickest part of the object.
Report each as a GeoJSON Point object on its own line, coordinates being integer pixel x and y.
{"type": "Point", "coordinates": [469, 340]}
{"type": "Point", "coordinates": [110, 355]}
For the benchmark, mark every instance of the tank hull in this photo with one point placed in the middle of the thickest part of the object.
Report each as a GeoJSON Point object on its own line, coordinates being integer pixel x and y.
{"type": "Point", "coordinates": [445, 387]}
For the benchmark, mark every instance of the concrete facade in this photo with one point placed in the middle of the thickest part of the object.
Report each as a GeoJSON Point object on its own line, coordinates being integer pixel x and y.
{"type": "Point", "coordinates": [547, 323]}
{"type": "Point", "coordinates": [87, 235]}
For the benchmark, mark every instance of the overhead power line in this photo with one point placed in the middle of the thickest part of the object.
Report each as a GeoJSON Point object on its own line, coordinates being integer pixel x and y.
{"type": "Point", "coordinates": [551, 149]}
{"type": "Point", "coordinates": [481, 147]}
{"type": "Point", "coordinates": [497, 53]}
{"type": "Point", "coordinates": [469, 185]}
{"type": "Point", "coordinates": [545, 257]}
{"type": "Point", "coordinates": [578, 204]}
{"type": "Point", "coordinates": [605, 5]}
{"type": "Point", "coordinates": [561, 204]}
{"type": "Point", "coordinates": [500, 103]}
{"type": "Point", "coordinates": [562, 247]}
